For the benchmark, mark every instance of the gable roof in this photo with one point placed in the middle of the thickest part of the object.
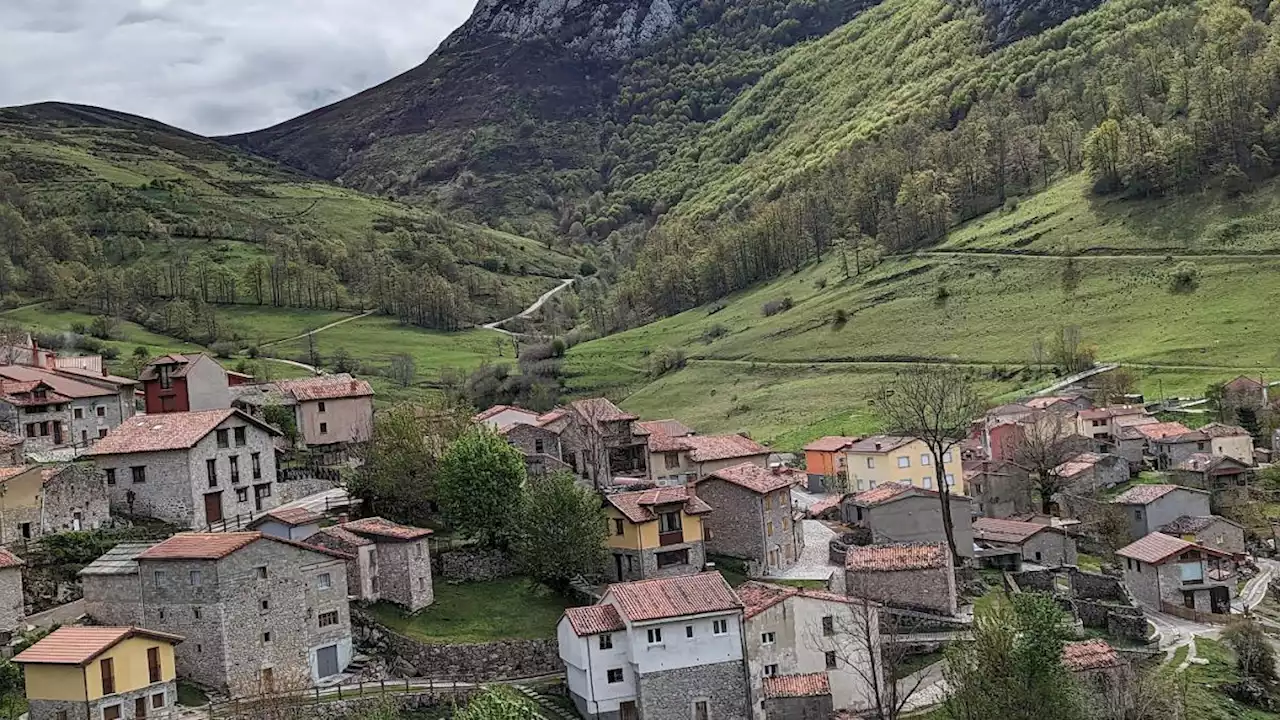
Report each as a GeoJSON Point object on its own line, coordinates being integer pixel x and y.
{"type": "Point", "coordinates": [385, 529]}
{"type": "Point", "coordinates": [594, 619]}
{"type": "Point", "coordinates": [1090, 655]}
{"type": "Point", "coordinates": [898, 557]}
{"type": "Point", "coordinates": [1161, 430]}
{"type": "Point", "coordinates": [339, 536]}
{"type": "Point", "coordinates": [637, 506]}
{"type": "Point", "coordinates": [600, 410]}
{"type": "Point", "coordinates": [1221, 430]}
{"type": "Point", "coordinates": [1144, 494]}
{"type": "Point", "coordinates": [879, 444]}
{"type": "Point", "coordinates": [1157, 547]}
{"type": "Point", "coordinates": [69, 388]}
{"type": "Point", "coordinates": [293, 517]}
{"type": "Point", "coordinates": [669, 428]}
{"type": "Point", "coordinates": [119, 560]}
{"type": "Point", "coordinates": [894, 491]}
{"type": "Point", "coordinates": [325, 387]}
{"type": "Point", "coordinates": [1007, 531]}
{"type": "Point", "coordinates": [796, 686]}
{"type": "Point", "coordinates": [1204, 462]}
{"type": "Point", "coordinates": [77, 645]}
{"type": "Point", "coordinates": [673, 597]}
{"type": "Point", "coordinates": [183, 362]}
{"type": "Point", "coordinates": [1078, 464]}
{"type": "Point", "coordinates": [498, 410]}
{"type": "Point", "coordinates": [1190, 524]}
{"type": "Point", "coordinates": [759, 596]}
{"type": "Point", "coordinates": [709, 448]}
{"type": "Point", "coordinates": [9, 560]}
{"type": "Point", "coordinates": [755, 478]}
{"type": "Point", "coordinates": [216, 546]}
{"type": "Point", "coordinates": [830, 443]}
{"type": "Point", "coordinates": [168, 431]}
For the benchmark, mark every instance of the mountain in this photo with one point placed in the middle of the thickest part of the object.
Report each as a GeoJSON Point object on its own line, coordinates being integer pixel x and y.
{"type": "Point", "coordinates": [126, 216]}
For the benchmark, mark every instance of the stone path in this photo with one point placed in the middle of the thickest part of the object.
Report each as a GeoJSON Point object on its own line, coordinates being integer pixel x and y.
{"type": "Point", "coordinates": [814, 562]}
{"type": "Point", "coordinates": [1255, 591]}
{"type": "Point", "coordinates": [535, 307]}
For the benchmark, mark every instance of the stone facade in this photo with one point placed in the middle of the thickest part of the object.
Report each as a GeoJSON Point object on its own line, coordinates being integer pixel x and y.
{"type": "Point", "coordinates": [741, 525]}
{"type": "Point", "coordinates": [238, 623]}
{"type": "Point", "coordinates": [1151, 585]}
{"type": "Point", "coordinates": [999, 489]}
{"type": "Point", "coordinates": [50, 709]}
{"type": "Point", "coordinates": [816, 707]}
{"type": "Point", "coordinates": [1145, 519]}
{"type": "Point", "coordinates": [1109, 471]}
{"type": "Point", "coordinates": [914, 518]}
{"type": "Point", "coordinates": [404, 573]}
{"type": "Point", "coordinates": [929, 589]}
{"type": "Point", "coordinates": [674, 694]}
{"type": "Point", "coordinates": [74, 498]}
{"type": "Point", "coordinates": [113, 600]}
{"type": "Point", "coordinates": [1108, 691]}
{"type": "Point", "coordinates": [465, 565]}
{"type": "Point", "coordinates": [480, 662]}
{"type": "Point", "coordinates": [1053, 549]}
{"type": "Point", "coordinates": [11, 605]}
{"type": "Point", "coordinates": [1219, 534]}
{"type": "Point", "coordinates": [643, 564]}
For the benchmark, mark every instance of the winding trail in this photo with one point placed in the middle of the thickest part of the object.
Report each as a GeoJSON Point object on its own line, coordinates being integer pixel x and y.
{"type": "Point", "coordinates": [535, 307]}
{"type": "Point", "coordinates": [330, 326]}
{"type": "Point", "coordinates": [1152, 255]}
{"type": "Point", "coordinates": [965, 363]}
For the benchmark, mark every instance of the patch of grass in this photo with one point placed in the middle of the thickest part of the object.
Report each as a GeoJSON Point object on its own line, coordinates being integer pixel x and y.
{"type": "Point", "coordinates": [191, 695]}
{"type": "Point", "coordinates": [512, 608]}
{"type": "Point", "coordinates": [915, 663]}
{"type": "Point", "coordinates": [1205, 701]}
{"type": "Point", "coordinates": [1180, 656]}
{"type": "Point", "coordinates": [991, 602]}
{"type": "Point", "coordinates": [1092, 563]}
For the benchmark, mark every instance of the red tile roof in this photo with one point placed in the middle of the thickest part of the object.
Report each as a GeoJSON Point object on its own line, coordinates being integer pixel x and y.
{"type": "Point", "coordinates": [383, 528]}
{"type": "Point", "coordinates": [796, 686]}
{"type": "Point", "coordinates": [824, 504]}
{"type": "Point", "coordinates": [757, 479]}
{"type": "Point", "coordinates": [170, 431]}
{"type": "Point", "coordinates": [1144, 494]}
{"type": "Point", "coordinates": [830, 443]}
{"type": "Point", "coordinates": [1111, 412]}
{"type": "Point", "coordinates": [1090, 655]}
{"type": "Point", "coordinates": [673, 597]}
{"type": "Point", "coordinates": [760, 596]}
{"type": "Point", "coordinates": [326, 387]}
{"type": "Point", "coordinates": [8, 440]}
{"type": "Point", "coordinates": [199, 546]}
{"type": "Point", "coordinates": [594, 619]}
{"type": "Point", "coordinates": [882, 494]}
{"type": "Point", "coordinates": [75, 645]}
{"type": "Point", "coordinates": [669, 428]}
{"type": "Point", "coordinates": [709, 448]}
{"type": "Point", "coordinates": [9, 473]}
{"type": "Point", "coordinates": [1078, 464]}
{"type": "Point", "coordinates": [1220, 430]}
{"type": "Point", "coordinates": [9, 560]}
{"type": "Point", "coordinates": [1005, 531]}
{"type": "Point", "coordinates": [1156, 548]}
{"type": "Point", "coordinates": [898, 557]}
{"type": "Point", "coordinates": [1161, 430]}
{"type": "Point", "coordinates": [64, 386]}
{"type": "Point", "coordinates": [498, 410]}
{"type": "Point", "coordinates": [600, 410]}
{"type": "Point", "coordinates": [636, 506]}
{"type": "Point", "coordinates": [184, 363]}
{"type": "Point", "coordinates": [340, 536]}
{"type": "Point", "coordinates": [879, 444]}
{"type": "Point", "coordinates": [294, 517]}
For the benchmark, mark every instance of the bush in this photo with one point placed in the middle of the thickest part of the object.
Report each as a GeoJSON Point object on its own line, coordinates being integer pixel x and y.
{"type": "Point", "coordinates": [223, 349]}
{"type": "Point", "coordinates": [820, 284]}
{"type": "Point", "coordinates": [839, 317]}
{"type": "Point", "coordinates": [586, 269]}
{"type": "Point", "coordinates": [110, 352]}
{"type": "Point", "coordinates": [773, 307]}
{"type": "Point", "coordinates": [104, 327]}
{"type": "Point", "coordinates": [665, 360]}
{"type": "Point", "coordinates": [1185, 277]}
{"type": "Point", "coordinates": [713, 333]}
{"type": "Point", "coordinates": [558, 347]}
{"type": "Point", "coordinates": [941, 295]}
{"type": "Point", "coordinates": [715, 308]}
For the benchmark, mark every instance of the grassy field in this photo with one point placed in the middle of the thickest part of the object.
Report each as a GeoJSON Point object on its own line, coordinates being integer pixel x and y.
{"type": "Point", "coordinates": [1204, 700]}
{"type": "Point", "coordinates": [480, 612]}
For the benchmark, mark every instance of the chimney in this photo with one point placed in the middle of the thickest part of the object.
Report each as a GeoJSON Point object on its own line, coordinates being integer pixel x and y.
{"type": "Point", "coordinates": [777, 469]}
{"type": "Point", "coordinates": [878, 446]}
{"type": "Point", "coordinates": [691, 490]}
{"type": "Point", "coordinates": [343, 518]}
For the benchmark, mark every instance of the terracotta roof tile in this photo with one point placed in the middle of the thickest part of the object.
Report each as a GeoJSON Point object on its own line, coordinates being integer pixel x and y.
{"type": "Point", "coordinates": [65, 386]}
{"type": "Point", "coordinates": [830, 443]}
{"type": "Point", "coordinates": [9, 473]}
{"type": "Point", "coordinates": [382, 528]}
{"type": "Point", "coordinates": [1078, 464]}
{"type": "Point", "coordinates": [340, 536]}
{"type": "Point", "coordinates": [636, 506]}
{"type": "Point", "coordinates": [157, 433]}
{"type": "Point", "coordinates": [757, 479]}
{"type": "Point", "coordinates": [76, 645]}
{"type": "Point", "coordinates": [1090, 655]}
{"type": "Point", "coordinates": [879, 444]}
{"type": "Point", "coordinates": [1189, 524]}
{"type": "Point", "coordinates": [1220, 430]}
{"type": "Point", "coordinates": [594, 619]}
{"type": "Point", "coordinates": [199, 546]}
{"type": "Point", "coordinates": [1155, 548]}
{"type": "Point", "coordinates": [673, 597]}
{"type": "Point", "coordinates": [600, 410]}
{"type": "Point", "coordinates": [184, 363]}
{"type": "Point", "coordinates": [824, 504]}
{"type": "Point", "coordinates": [498, 410]}
{"type": "Point", "coordinates": [1005, 531]}
{"type": "Point", "coordinates": [669, 428]}
{"type": "Point", "coordinates": [1144, 494]}
{"type": "Point", "coordinates": [760, 596]}
{"type": "Point", "coordinates": [709, 448]}
{"type": "Point", "coordinates": [897, 557]}
{"type": "Point", "coordinates": [1161, 430]}
{"type": "Point", "coordinates": [882, 494]}
{"type": "Point", "coordinates": [294, 517]}
{"type": "Point", "coordinates": [796, 686]}
{"type": "Point", "coordinates": [9, 560]}
{"type": "Point", "coordinates": [326, 387]}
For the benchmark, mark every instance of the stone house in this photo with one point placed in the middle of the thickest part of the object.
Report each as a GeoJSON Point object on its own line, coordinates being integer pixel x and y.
{"type": "Point", "coordinates": [1101, 424]}
{"type": "Point", "coordinates": [1038, 543]}
{"type": "Point", "coordinates": [294, 523]}
{"type": "Point", "coordinates": [1211, 472]}
{"type": "Point", "coordinates": [391, 562]}
{"type": "Point", "coordinates": [51, 410]}
{"type": "Point", "coordinates": [802, 633]}
{"type": "Point", "coordinates": [1172, 450]}
{"type": "Point", "coordinates": [112, 673]}
{"type": "Point", "coordinates": [200, 469]}
{"type": "Point", "coordinates": [111, 586]}
{"type": "Point", "coordinates": [916, 576]}
{"type": "Point", "coordinates": [1231, 441]}
{"type": "Point", "coordinates": [1089, 473]}
{"type": "Point", "coordinates": [678, 460]}
{"type": "Point", "coordinates": [329, 411]}
{"type": "Point", "coordinates": [11, 450]}
{"type": "Point", "coordinates": [260, 614]}
{"type": "Point", "coordinates": [899, 513]}
{"type": "Point", "coordinates": [1149, 437]}
{"type": "Point", "coordinates": [1162, 572]}
{"type": "Point", "coordinates": [12, 610]}
{"type": "Point", "coordinates": [540, 445]}
{"type": "Point", "coordinates": [184, 383]}
{"type": "Point", "coordinates": [39, 500]}
{"type": "Point", "coordinates": [1210, 531]}
{"type": "Point", "coordinates": [1148, 507]}
{"type": "Point", "coordinates": [1106, 678]}
{"type": "Point", "coordinates": [753, 518]}
{"type": "Point", "coordinates": [655, 533]}
{"type": "Point", "coordinates": [658, 649]}
{"type": "Point", "coordinates": [881, 459]}
{"type": "Point", "coordinates": [997, 488]}
{"type": "Point", "coordinates": [796, 697]}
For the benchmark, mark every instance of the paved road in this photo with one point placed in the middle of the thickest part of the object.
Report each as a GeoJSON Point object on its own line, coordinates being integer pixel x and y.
{"type": "Point", "coordinates": [1073, 379]}
{"type": "Point", "coordinates": [535, 307]}
{"type": "Point", "coordinates": [814, 562]}
{"type": "Point", "coordinates": [927, 687]}
{"type": "Point", "coordinates": [1255, 591]}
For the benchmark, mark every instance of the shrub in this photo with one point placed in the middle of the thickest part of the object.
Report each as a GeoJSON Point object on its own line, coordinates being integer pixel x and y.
{"type": "Point", "coordinates": [713, 333]}
{"type": "Point", "coordinates": [665, 360]}
{"type": "Point", "coordinates": [820, 284]}
{"type": "Point", "coordinates": [586, 269]}
{"type": "Point", "coordinates": [773, 307]}
{"type": "Point", "coordinates": [941, 295]}
{"type": "Point", "coordinates": [103, 327]}
{"type": "Point", "coordinates": [839, 317]}
{"type": "Point", "coordinates": [1185, 277]}
{"type": "Point", "coordinates": [715, 308]}
{"type": "Point", "coordinates": [558, 347]}
{"type": "Point", "coordinates": [223, 349]}
{"type": "Point", "coordinates": [110, 352]}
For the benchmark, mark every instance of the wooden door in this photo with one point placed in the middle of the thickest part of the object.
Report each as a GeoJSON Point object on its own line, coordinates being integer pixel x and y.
{"type": "Point", "coordinates": [213, 508]}
{"type": "Point", "coordinates": [627, 711]}
{"type": "Point", "coordinates": [140, 708]}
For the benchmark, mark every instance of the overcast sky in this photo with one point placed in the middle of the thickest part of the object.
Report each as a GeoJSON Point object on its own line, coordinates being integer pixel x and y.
{"type": "Point", "coordinates": [213, 66]}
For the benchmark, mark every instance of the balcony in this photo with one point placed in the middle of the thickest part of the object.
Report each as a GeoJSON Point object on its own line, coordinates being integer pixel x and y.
{"type": "Point", "coordinates": [675, 537]}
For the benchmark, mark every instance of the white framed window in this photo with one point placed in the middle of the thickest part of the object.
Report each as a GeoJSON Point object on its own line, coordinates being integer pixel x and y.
{"type": "Point", "coordinates": [871, 463]}
{"type": "Point", "coordinates": [606, 641]}
{"type": "Point", "coordinates": [324, 580]}
{"type": "Point", "coordinates": [904, 462]}
{"type": "Point", "coordinates": [951, 479]}
{"type": "Point", "coordinates": [770, 670]}
{"type": "Point", "coordinates": [615, 676]}
{"type": "Point", "coordinates": [946, 456]}
{"type": "Point", "coordinates": [767, 638]}
{"type": "Point", "coordinates": [926, 482]}
{"type": "Point", "coordinates": [719, 627]}
{"type": "Point", "coordinates": [862, 484]}
{"type": "Point", "coordinates": [924, 459]}
{"type": "Point", "coordinates": [655, 636]}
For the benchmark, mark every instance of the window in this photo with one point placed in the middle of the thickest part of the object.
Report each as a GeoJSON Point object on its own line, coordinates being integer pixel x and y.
{"type": "Point", "coordinates": [262, 491]}
{"type": "Point", "coordinates": [719, 627]}
{"type": "Point", "coordinates": [951, 479]}
{"type": "Point", "coordinates": [701, 710]}
{"type": "Point", "coordinates": [102, 432]}
{"type": "Point", "coordinates": [417, 551]}
{"type": "Point", "coordinates": [768, 502]}
{"type": "Point", "coordinates": [101, 411]}
{"type": "Point", "coordinates": [44, 429]}
{"type": "Point", "coordinates": [904, 462]}
{"type": "Point", "coordinates": [831, 659]}
{"type": "Point", "coordinates": [924, 459]}
{"type": "Point", "coordinates": [615, 675]}
{"type": "Point", "coordinates": [195, 613]}
{"type": "Point", "coordinates": [1137, 514]}
{"type": "Point", "coordinates": [266, 637]}
{"type": "Point", "coordinates": [1128, 562]}
{"type": "Point", "coordinates": [256, 460]}
{"type": "Point", "coordinates": [242, 494]}
{"type": "Point", "coordinates": [871, 463]}
{"type": "Point", "coordinates": [786, 523]}
{"type": "Point", "coordinates": [674, 557]}
{"type": "Point", "coordinates": [26, 531]}
{"type": "Point", "coordinates": [688, 631]}
{"type": "Point", "coordinates": [32, 430]}
{"type": "Point", "coordinates": [769, 528]}
{"type": "Point", "coordinates": [260, 572]}
{"type": "Point", "coordinates": [324, 580]}
{"type": "Point", "coordinates": [539, 447]}
{"type": "Point", "coordinates": [196, 578]}
{"type": "Point", "coordinates": [264, 605]}
{"type": "Point", "coordinates": [606, 641]}
{"type": "Point", "coordinates": [669, 522]}
{"type": "Point", "coordinates": [211, 469]}
{"type": "Point", "coordinates": [767, 638]}
{"type": "Point", "coordinates": [328, 618]}
{"type": "Point", "coordinates": [324, 428]}
{"type": "Point", "coordinates": [239, 436]}
{"type": "Point", "coordinates": [223, 440]}
{"type": "Point", "coordinates": [60, 715]}
{"type": "Point", "coordinates": [617, 526]}
{"type": "Point", "coordinates": [111, 476]}
{"type": "Point", "coordinates": [323, 408]}
{"type": "Point", "coordinates": [671, 460]}
{"type": "Point", "coordinates": [655, 636]}
{"type": "Point", "coordinates": [159, 577]}
{"type": "Point", "coordinates": [234, 462]}
{"type": "Point", "coordinates": [828, 626]}
{"type": "Point", "coordinates": [770, 670]}
{"type": "Point", "coordinates": [139, 474]}
{"type": "Point", "coordinates": [78, 413]}
{"type": "Point", "coordinates": [111, 712]}
{"type": "Point", "coordinates": [946, 456]}
{"type": "Point", "coordinates": [926, 482]}
{"type": "Point", "coordinates": [108, 668]}
{"type": "Point", "coordinates": [1037, 556]}
{"type": "Point", "coordinates": [157, 701]}
{"type": "Point", "coordinates": [153, 665]}
{"type": "Point", "coordinates": [166, 377]}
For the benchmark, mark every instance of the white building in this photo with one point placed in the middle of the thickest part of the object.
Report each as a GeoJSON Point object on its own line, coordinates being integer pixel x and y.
{"type": "Point", "coordinates": [670, 648]}
{"type": "Point", "coordinates": [790, 632]}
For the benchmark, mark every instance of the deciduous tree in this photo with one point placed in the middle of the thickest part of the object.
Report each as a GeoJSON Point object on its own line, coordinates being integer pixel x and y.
{"type": "Point", "coordinates": [563, 529]}
{"type": "Point", "coordinates": [480, 486]}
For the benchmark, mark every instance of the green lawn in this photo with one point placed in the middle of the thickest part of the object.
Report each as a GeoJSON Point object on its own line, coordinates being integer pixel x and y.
{"type": "Point", "coordinates": [1204, 700]}
{"type": "Point", "coordinates": [1092, 563]}
{"type": "Point", "coordinates": [480, 612]}
{"type": "Point", "coordinates": [191, 696]}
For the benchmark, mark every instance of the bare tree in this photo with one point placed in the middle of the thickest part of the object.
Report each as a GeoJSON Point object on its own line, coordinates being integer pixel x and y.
{"type": "Point", "coordinates": [934, 404]}
{"type": "Point", "coordinates": [1043, 443]}
{"type": "Point", "coordinates": [590, 425]}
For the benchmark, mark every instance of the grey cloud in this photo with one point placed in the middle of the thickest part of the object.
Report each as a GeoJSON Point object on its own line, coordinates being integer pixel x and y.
{"type": "Point", "coordinates": [213, 66]}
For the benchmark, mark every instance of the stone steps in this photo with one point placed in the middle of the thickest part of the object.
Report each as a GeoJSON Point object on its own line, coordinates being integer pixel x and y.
{"type": "Point", "coordinates": [550, 710]}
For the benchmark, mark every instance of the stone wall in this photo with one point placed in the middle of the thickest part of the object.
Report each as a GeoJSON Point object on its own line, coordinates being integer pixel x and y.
{"type": "Point", "coordinates": [1036, 580]}
{"type": "Point", "coordinates": [75, 496]}
{"type": "Point", "coordinates": [1093, 586]}
{"type": "Point", "coordinates": [480, 662]}
{"type": "Point", "coordinates": [672, 694]}
{"type": "Point", "coordinates": [11, 606]}
{"type": "Point", "coordinates": [465, 565]}
{"type": "Point", "coordinates": [802, 708]}
{"type": "Point", "coordinates": [404, 705]}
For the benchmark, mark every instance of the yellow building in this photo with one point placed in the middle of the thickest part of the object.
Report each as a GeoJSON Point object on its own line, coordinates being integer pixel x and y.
{"type": "Point", "coordinates": [101, 673]}
{"type": "Point", "coordinates": [884, 458]}
{"type": "Point", "coordinates": [655, 533]}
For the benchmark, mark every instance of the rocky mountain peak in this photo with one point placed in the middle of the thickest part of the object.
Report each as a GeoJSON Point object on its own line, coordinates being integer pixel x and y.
{"type": "Point", "coordinates": [598, 28]}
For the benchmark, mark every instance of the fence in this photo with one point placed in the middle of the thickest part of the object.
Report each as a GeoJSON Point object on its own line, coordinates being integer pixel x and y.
{"type": "Point", "coordinates": [1187, 613]}
{"type": "Point", "coordinates": [336, 693]}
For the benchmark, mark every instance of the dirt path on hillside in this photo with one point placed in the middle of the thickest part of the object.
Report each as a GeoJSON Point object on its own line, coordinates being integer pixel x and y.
{"type": "Point", "coordinates": [1152, 255]}
{"type": "Point", "coordinates": [964, 363]}
{"type": "Point", "coordinates": [535, 307]}
{"type": "Point", "coordinates": [330, 326]}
